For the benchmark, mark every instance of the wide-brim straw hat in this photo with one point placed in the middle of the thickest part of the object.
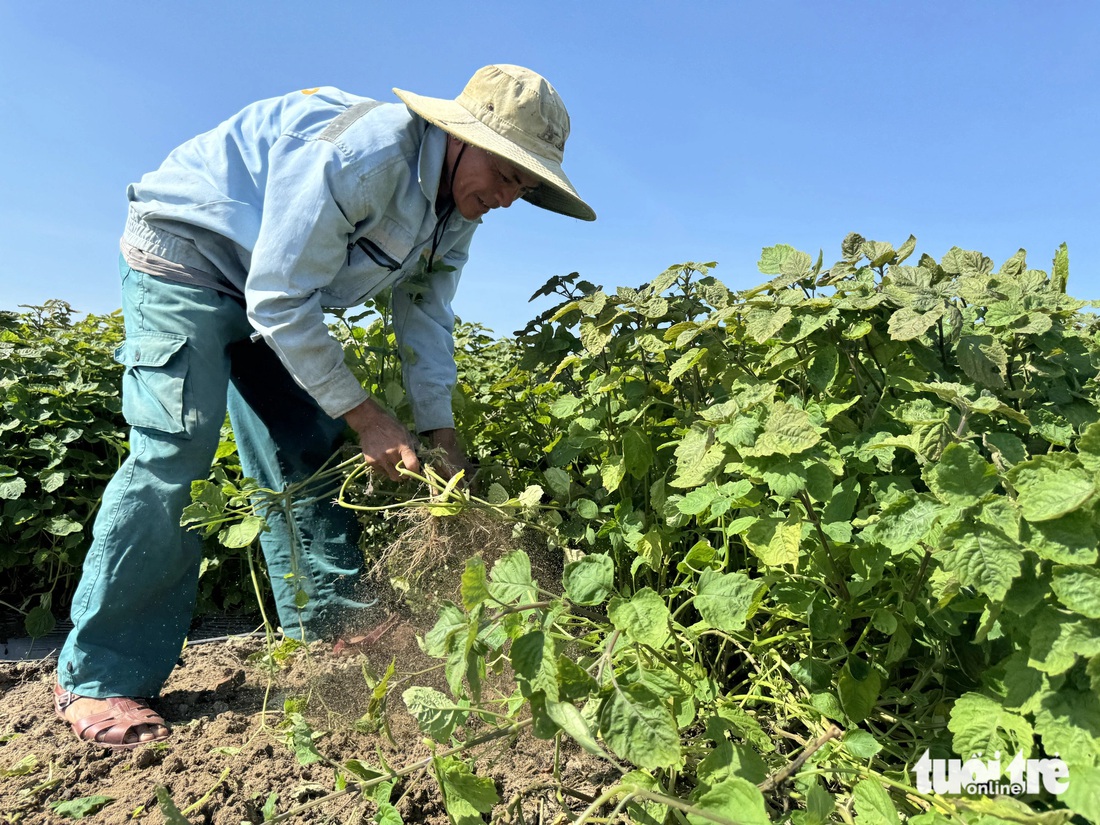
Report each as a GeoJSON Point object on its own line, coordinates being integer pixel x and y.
{"type": "Point", "coordinates": [515, 114]}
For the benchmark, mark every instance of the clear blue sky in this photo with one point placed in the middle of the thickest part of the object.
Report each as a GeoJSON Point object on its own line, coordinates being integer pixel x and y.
{"type": "Point", "coordinates": [701, 131]}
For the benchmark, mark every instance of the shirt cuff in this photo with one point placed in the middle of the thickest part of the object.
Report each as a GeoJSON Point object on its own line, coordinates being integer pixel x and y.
{"type": "Point", "coordinates": [339, 394]}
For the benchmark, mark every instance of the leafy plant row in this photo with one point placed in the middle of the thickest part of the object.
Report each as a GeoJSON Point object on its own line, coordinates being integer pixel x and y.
{"type": "Point", "coordinates": [63, 437]}
{"type": "Point", "coordinates": [862, 495]}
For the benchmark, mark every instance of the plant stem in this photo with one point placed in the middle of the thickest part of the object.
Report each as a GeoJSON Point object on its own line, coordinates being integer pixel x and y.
{"type": "Point", "coordinates": [782, 775]}
{"type": "Point", "coordinates": [812, 513]}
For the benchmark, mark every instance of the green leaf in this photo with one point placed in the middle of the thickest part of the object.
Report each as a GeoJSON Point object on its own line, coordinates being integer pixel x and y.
{"type": "Point", "coordinates": [612, 473]}
{"type": "Point", "coordinates": [1059, 272]}
{"type": "Point", "coordinates": [475, 584]}
{"type": "Point", "coordinates": [52, 481]}
{"type": "Point", "coordinates": [590, 579]}
{"type": "Point", "coordinates": [565, 406]}
{"type": "Point", "coordinates": [534, 660]}
{"type": "Point", "coordinates": [88, 805]}
{"type": "Point", "coordinates": [387, 814]}
{"type": "Point", "coordinates": [787, 430]}
{"type": "Point", "coordinates": [762, 325]}
{"type": "Point", "coordinates": [361, 771]}
{"type": "Point", "coordinates": [595, 338]}
{"type": "Point", "coordinates": [572, 722]}
{"type": "Point", "coordinates": [906, 249]}
{"type": "Point", "coordinates": [1023, 685]}
{"type": "Point", "coordinates": [465, 795]}
{"type": "Point", "coordinates": [301, 740]}
{"type": "Point", "coordinates": [643, 811]}
{"type": "Point", "coordinates": [861, 744]}
{"type": "Point", "coordinates": [852, 247]}
{"type": "Point", "coordinates": [1083, 794]}
{"type": "Point", "coordinates": [858, 688]}
{"type": "Point", "coordinates": [737, 800]}
{"type": "Point", "coordinates": [171, 813]}
{"type": "Point", "coordinates": [774, 542]}
{"type": "Point", "coordinates": [24, 767]}
{"type": "Point", "coordinates": [1050, 486]}
{"type": "Point", "coordinates": [1088, 448]}
{"type": "Point", "coordinates": [829, 706]}
{"type": "Point", "coordinates": [745, 726]}
{"type": "Point", "coordinates": [637, 452]}
{"type": "Point", "coordinates": [1068, 722]}
{"type": "Point", "coordinates": [1056, 641]}
{"type": "Point", "coordinates": [12, 489]}
{"type": "Point", "coordinates": [984, 558]}
{"type": "Point", "coordinates": [772, 258]}
{"type": "Point", "coordinates": [820, 805]}
{"type": "Point", "coordinates": [574, 682]}
{"type": "Point", "coordinates": [1003, 314]}
{"type": "Point", "coordinates": [451, 622]}
{"type": "Point", "coordinates": [63, 526]}
{"type": "Point", "coordinates": [651, 549]}
{"type": "Point", "coordinates": [638, 727]}
{"type": "Point", "coordinates": [725, 600]}
{"type": "Point", "coordinates": [857, 330]}
{"type": "Point", "coordinates": [697, 457]}
{"type": "Point", "coordinates": [643, 618]}
{"type": "Point", "coordinates": [558, 481]}
{"type": "Point", "coordinates": [587, 509]}
{"type": "Point", "coordinates": [686, 362]}
{"type": "Point", "coordinates": [39, 621]}
{"type": "Point", "coordinates": [983, 359]}
{"type": "Point", "coordinates": [796, 265]}
{"type": "Point", "coordinates": [1051, 426]}
{"type": "Point", "coordinates": [878, 253]}
{"type": "Point", "coordinates": [510, 581]}
{"type": "Point", "coordinates": [698, 500]}
{"type": "Point", "coordinates": [497, 494]}
{"type": "Point", "coordinates": [1070, 539]}
{"type": "Point", "coordinates": [730, 760]}
{"type": "Point", "coordinates": [905, 522]}
{"type": "Point", "coordinates": [873, 804]}
{"type": "Point", "coordinates": [812, 674]}
{"type": "Point", "coordinates": [242, 533]}
{"type": "Point", "coordinates": [961, 476]}
{"type": "Point", "coordinates": [907, 324]}
{"type": "Point", "coordinates": [1078, 588]}
{"type": "Point", "coordinates": [436, 714]}
{"type": "Point", "coordinates": [982, 726]}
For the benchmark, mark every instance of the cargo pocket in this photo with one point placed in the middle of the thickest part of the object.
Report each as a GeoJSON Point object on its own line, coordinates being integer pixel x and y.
{"type": "Point", "coordinates": [152, 384]}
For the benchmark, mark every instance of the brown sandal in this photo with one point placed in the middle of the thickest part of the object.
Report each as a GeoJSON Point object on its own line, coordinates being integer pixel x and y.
{"type": "Point", "coordinates": [353, 645]}
{"type": "Point", "coordinates": [122, 715]}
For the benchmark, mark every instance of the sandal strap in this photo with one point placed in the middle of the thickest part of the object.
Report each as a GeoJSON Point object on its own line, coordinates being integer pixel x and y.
{"type": "Point", "coordinates": [121, 716]}
{"type": "Point", "coordinates": [63, 698]}
{"type": "Point", "coordinates": [108, 727]}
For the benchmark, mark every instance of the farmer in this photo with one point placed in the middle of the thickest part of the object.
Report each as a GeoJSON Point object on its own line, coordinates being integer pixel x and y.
{"type": "Point", "coordinates": [232, 251]}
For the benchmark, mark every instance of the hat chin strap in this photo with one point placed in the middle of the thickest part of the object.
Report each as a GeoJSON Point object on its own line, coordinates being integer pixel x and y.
{"type": "Point", "coordinates": [448, 210]}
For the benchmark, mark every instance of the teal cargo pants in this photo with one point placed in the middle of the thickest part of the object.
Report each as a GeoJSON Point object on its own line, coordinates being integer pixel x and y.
{"type": "Point", "coordinates": [188, 358]}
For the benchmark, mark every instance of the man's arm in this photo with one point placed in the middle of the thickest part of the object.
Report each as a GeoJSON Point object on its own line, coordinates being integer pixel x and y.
{"type": "Point", "coordinates": [301, 246]}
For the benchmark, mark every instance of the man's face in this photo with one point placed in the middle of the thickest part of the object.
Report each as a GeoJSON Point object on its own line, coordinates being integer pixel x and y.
{"type": "Point", "coordinates": [484, 181]}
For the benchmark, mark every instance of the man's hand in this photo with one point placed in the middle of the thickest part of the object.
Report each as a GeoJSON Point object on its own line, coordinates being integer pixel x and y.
{"type": "Point", "coordinates": [383, 439]}
{"type": "Point", "coordinates": [454, 457]}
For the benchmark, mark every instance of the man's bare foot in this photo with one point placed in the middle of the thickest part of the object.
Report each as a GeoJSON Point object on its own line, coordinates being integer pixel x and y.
{"type": "Point", "coordinates": [117, 722]}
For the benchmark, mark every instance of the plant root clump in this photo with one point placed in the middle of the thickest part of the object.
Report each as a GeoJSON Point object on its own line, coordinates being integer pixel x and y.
{"type": "Point", "coordinates": [426, 559]}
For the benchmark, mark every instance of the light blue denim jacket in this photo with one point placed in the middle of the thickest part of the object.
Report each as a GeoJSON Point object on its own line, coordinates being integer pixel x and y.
{"type": "Point", "coordinates": [312, 200]}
